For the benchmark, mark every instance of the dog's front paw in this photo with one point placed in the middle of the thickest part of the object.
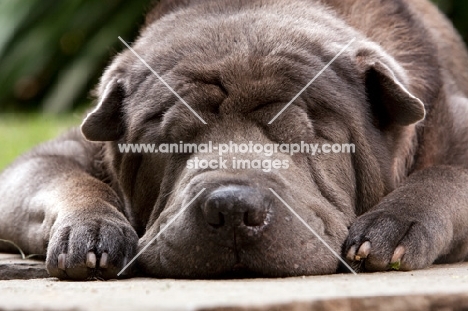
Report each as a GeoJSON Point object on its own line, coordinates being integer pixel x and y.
{"type": "Point", "coordinates": [383, 240]}
{"type": "Point", "coordinates": [85, 247]}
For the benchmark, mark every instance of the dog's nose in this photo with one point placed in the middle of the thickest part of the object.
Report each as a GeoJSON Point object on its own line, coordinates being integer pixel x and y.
{"type": "Point", "coordinates": [233, 206]}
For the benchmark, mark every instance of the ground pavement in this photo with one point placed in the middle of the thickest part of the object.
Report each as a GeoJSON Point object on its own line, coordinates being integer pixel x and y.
{"type": "Point", "coordinates": [442, 287]}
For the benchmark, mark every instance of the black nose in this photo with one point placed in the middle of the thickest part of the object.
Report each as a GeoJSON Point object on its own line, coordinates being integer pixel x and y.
{"type": "Point", "coordinates": [233, 206]}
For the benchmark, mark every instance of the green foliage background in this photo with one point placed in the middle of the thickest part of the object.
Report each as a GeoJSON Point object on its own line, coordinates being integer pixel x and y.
{"type": "Point", "coordinates": [53, 52]}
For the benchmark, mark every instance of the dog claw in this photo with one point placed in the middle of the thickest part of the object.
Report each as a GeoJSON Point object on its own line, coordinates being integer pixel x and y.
{"type": "Point", "coordinates": [364, 250]}
{"type": "Point", "coordinates": [351, 253]}
{"type": "Point", "coordinates": [103, 262]}
{"type": "Point", "coordinates": [398, 254]}
{"type": "Point", "coordinates": [62, 261]}
{"type": "Point", "coordinates": [91, 260]}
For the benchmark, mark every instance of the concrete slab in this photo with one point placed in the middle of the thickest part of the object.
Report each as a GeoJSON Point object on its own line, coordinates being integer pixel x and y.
{"type": "Point", "coordinates": [442, 287]}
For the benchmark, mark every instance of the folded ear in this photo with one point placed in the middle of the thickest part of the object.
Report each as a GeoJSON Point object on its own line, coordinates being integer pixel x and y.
{"type": "Point", "coordinates": [105, 122]}
{"type": "Point", "coordinates": [390, 100]}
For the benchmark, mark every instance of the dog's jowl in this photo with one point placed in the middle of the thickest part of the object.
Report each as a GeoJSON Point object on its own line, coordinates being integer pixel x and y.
{"type": "Point", "coordinates": [278, 136]}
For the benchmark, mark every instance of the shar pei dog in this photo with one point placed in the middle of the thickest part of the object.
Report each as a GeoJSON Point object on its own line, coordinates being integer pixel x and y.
{"type": "Point", "coordinates": [227, 78]}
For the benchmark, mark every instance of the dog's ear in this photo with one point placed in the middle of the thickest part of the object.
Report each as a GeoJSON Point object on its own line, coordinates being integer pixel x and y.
{"type": "Point", "coordinates": [105, 122]}
{"type": "Point", "coordinates": [391, 102]}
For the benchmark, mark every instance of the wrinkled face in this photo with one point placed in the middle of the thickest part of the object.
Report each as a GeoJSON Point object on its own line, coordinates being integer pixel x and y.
{"type": "Point", "coordinates": [254, 203]}
{"type": "Point", "coordinates": [237, 223]}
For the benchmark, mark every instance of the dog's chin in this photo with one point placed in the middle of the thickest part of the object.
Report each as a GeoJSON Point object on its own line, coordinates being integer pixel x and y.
{"type": "Point", "coordinates": [238, 271]}
{"type": "Point", "coordinates": [232, 266]}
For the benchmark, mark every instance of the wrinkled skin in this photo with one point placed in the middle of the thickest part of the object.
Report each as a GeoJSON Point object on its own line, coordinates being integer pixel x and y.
{"type": "Point", "coordinates": [399, 201]}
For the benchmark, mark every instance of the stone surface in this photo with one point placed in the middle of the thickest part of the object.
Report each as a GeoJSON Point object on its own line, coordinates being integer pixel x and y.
{"type": "Point", "coordinates": [381, 303]}
{"type": "Point", "coordinates": [13, 267]}
{"type": "Point", "coordinates": [443, 287]}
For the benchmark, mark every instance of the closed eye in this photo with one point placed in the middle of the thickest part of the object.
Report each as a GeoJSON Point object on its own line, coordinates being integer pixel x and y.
{"type": "Point", "coordinates": [156, 117]}
{"type": "Point", "coordinates": [264, 105]}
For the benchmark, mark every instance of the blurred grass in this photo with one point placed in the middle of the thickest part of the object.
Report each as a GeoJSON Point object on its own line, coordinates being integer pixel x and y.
{"type": "Point", "coordinates": [53, 52]}
{"type": "Point", "coordinates": [20, 132]}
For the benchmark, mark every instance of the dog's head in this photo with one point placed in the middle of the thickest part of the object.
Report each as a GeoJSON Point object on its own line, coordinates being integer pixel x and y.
{"type": "Point", "coordinates": [270, 213]}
